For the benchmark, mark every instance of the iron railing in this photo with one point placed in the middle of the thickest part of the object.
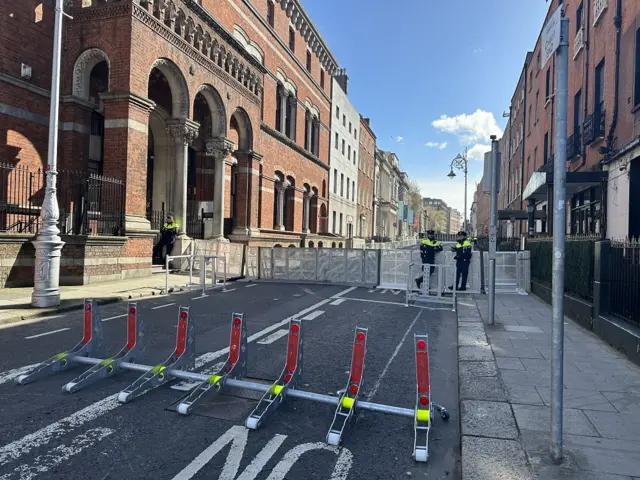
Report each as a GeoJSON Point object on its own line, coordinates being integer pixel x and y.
{"type": "Point", "coordinates": [625, 280]}
{"type": "Point", "coordinates": [594, 126]}
{"type": "Point", "coordinates": [89, 204]}
{"type": "Point", "coordinates": [573, 146]}
{"type": "Point", "coordinates": [195, 225]}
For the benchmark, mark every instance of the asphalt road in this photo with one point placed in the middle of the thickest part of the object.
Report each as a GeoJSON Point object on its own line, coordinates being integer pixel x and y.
{"type": "Point", "coordinates": [48, 434]}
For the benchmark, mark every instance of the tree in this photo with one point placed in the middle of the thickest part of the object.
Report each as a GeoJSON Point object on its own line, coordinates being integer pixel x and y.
{"type": "Point", "coordinates": [437, 220]}
{"type": "Point", "coordinates": [414, 198]}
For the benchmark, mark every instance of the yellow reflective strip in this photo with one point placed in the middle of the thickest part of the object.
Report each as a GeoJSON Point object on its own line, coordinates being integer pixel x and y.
{"type": "Point", "coordinates": [214, 379]}
{"type": "Point", "coordinates": [158, 369]}
{"type": "Point", "coordinates": [276, 389]}
{"type": "Point", "coordinates": [348, 402]}
{"type": "Point", "coordinates": [62, 355]}
{"type": "Point", "coordinates": [422, 415]}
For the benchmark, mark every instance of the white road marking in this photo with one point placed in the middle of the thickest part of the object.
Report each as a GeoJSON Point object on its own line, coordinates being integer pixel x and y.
{"type": "Point", "coordinates": [384, 291]}
{"type": "Point", "coordinates": [338, 301]}
{"type": "Point", "coordinates": [308, 291]}
{"type": "Point", "coordinates": [47, 333]}
{"type": "Point", "coordinates": [340, 470]}
{"type": "Point", "coordinates": [113, 318]}
{"type": "Point", "coordinates": [297, 294]}
{"type": "Point", "coordinates": [396, 292]}
{"type": "Point", "coordinates": [162, 306]}
{"type": "Point", "coordinates": [185, 386]}
{"type": "Point", "coordinates": [397, 303]}
{"type": "Point", "coordinates": [371, 291]}
{"type": "Point", "coordinates": [227, 290]}
{"type": "Point", "coordinates": [24, 445]}
{"type": "Point", "coordinates": [238, 437]}
{"type": "Point", "coordinates": [43, 463]}
{"type": "Point", "coordinates": [393, 356]}
{"type": "Point", "coordinates": [273, 337]}
{"type": "Point", "coordinates": [251, 285]}
{"type": "Point", "coordinates": [11, 374]}
{"type": "Point", "coordinates": [201, 296]}
{"type": "Point", "coordinates": [313, 315]}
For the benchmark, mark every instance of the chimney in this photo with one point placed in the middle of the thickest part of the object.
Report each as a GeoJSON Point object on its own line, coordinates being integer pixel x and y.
{"type": "Point", "coordinates": [342, 79]}
{"type": "Point", "coordinates": [367, 120]}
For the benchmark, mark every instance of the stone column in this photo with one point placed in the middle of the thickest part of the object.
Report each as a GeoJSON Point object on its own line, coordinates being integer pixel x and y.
{"type": "Point", "coordinates": [306, 226]}
{"type": "Point", "coordinates": [247, 194]}
{"type": "Point", "coordinates": [183, 131]}
{"type": "Point", "coordinates": [281, 188]}
{"type": "Point", "coordinates": [309, 132]}
{"type": "Point", "coordinates": [220, 149]}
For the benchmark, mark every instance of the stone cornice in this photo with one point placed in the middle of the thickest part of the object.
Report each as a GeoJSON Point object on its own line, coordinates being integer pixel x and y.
{"type": "Point", "coordinates": [18, 82]}
{"type": "Point", "coordinates": [140, 102]}
{"type": "Point", "coordinates": [293, 145]}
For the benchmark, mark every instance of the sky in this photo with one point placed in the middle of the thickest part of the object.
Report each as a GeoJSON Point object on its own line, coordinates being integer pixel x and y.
{"type": "Point", "coordinates": [433, 76]}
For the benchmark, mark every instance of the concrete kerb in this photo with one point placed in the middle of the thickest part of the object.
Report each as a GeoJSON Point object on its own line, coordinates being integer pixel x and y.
{"type": "Point", "coordinates": [491, 441]}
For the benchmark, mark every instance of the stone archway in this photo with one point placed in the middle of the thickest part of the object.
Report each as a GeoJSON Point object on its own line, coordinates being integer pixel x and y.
{"type": "Point", "coordinates": [177, 85]}
{"type": "Point", "coordinates": [82, 69]}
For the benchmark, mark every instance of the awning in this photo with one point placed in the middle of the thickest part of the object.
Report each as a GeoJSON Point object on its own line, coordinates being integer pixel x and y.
{"type": "Point", "coordinates": [536, 189]}
{"type": "Point", "coordinates": [520, 215]}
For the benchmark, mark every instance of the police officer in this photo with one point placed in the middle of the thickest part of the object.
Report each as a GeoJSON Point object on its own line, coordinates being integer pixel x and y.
{"type": "Point", "coordinates": [168, 235]}
{"type": "Point", "coordinates": [462, 250]}
{"type": "Point", "coordinates": [428, 249]}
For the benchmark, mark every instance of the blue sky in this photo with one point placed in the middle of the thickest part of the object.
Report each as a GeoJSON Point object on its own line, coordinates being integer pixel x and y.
{"type": "Point", "coordinates": [412, 61]}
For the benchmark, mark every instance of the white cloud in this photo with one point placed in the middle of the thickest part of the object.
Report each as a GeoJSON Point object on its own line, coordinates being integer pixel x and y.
{"type": "Point", "coordinates": [439, 146]}
{"type": "Point", "coordinates": [477, 50]}
{"type": "Point", "coordinates": [399, 139]}
{"type": "Point", "coordinates": [451, 191]}
{"type": "Point", "coordinates": [478, 150]}
{"type": "Point", "coordinates": [470, 128]}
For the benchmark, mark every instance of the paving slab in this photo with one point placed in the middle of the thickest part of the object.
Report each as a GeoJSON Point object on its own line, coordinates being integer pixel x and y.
{"type": "Point", "coordinates": [489, 458]}
{"type": "Point", "coordinates": [537, 418]}
{"type": "Point", "coordinates": [477, 354]}
{"type": "Point", "coordinates": [525, 352]}
{"type": "Point", "coordinates": [624, 402]}
{"type": "Point", "coordinates": [509, 363]}
{"type": "Point", "coordinates": [478, 369]}
{"type": "Point", "coordinates": [523, 394]}
{"type": "Point", "coordinates": [488, 419]}
{"type": "Point", "coordinates": [581, 399]}
{"type": "Point", "coordinates": [621, 426]}
{"type": "Point", "coordinates": [523, 328]}
{"type": "Point", "coordinates": [482, 388]}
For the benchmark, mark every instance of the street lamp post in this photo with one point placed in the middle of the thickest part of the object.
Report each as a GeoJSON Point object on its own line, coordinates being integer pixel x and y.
{"type": "Point", "coordinates": [48, 245]}
{"type": "Point", "coordinates": [461, 162]}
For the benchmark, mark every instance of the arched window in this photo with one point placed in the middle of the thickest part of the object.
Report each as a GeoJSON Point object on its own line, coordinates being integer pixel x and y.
{"type": "Point", "coordinates": [320, 245]}
{"type": "Point", "coordinates": [311, 245]}
{"type": "Point", "coordinates": [333, 244]}
{"type": "Point", "coordinates": [280, 99]}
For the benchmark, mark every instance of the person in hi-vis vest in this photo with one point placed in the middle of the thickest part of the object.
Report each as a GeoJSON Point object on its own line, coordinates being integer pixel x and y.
{"type": "Point", "coordinates": [462, 250]}
{"type": "Point", "coordinates": [168, 236]}
{"type": "Point", "coordinates": [428, 249]}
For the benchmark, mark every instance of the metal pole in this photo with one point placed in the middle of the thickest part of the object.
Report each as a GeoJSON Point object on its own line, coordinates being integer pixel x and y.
{"type": "Point", "coordinates": [495, 169]}
{"type": "Point", "coordinates": [559, 221]}
{"type": "Point", "coordinates": [48, 245]}
{"type": "Point", "coordinates": [464, 220]}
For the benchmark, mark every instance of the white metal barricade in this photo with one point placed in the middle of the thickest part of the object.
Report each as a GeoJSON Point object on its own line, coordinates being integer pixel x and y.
{"type": "Point", "coordinates": [423, 286]}
{"type": "Point", "coordinates": [509, 272]}
{"type": "Point", "coordinates": [214, 272]}
{"type": "Point", "coordinates": [169, 258]}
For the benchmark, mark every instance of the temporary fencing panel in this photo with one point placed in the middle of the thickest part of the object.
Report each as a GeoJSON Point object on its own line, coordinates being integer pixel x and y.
{"type": "Point", "coordinates": [394, 266]}
{"type": "Point", "coordinates": [512, 271]}
{"type": "Point", "coordinates": [426, 287]}
{"type": "Point", "coordinates": [322, 265]}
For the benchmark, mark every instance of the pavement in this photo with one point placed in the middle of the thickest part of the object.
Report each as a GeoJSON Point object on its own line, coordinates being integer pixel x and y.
{"type": "Point", "coordinates": [505, 377]}
{"type": "Point", "coordinates": [15, 303]}
{"type": "Point", "coordinates": [48, 434]}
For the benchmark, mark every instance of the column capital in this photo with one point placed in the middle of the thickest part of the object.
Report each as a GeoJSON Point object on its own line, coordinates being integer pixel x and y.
{"type": "Point", "coordinates": [218, 147]}
{"type": "Point", "coordinates": [308, 195]}
{"type": "Point", "coordinates": [183, 130]}
{"type": "Point", "coordinates": [282, 186]}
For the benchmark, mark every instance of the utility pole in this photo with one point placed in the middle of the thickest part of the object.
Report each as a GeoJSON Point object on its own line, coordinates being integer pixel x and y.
{"type": "Point", "coordinates": [559, 222]}
{"type": "Point", "coordinates": [48, 245]}
{"type": "Point", "coordinates": [494, 170]}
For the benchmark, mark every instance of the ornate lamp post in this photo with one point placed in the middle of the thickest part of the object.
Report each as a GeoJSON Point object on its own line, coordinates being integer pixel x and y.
{"type": "Point", "coordinates": [460, 162]}
{"type": "Point", "coordinates": [48, 245]}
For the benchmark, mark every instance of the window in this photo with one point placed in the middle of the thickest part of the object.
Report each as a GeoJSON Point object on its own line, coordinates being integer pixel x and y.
{"type": "Point", "coordinates": [537, 106]}
{"type": "Point", "coordinates": [535, 158]}
{"type": "Point", "coordinates": [334, 221]}
{"type": "Point", "coordinates": [545, 151]}
{"type": "Point", "coordinates": [322, 79]}
{"type": "Point", "coordinates": [290, 118]}
{"type": "Point", "coordinates": [528, 164]}
{"type": "Point", "coordinates": [342, 184]}
{"type": "Point", "coordinates": [538, 63]}
{"type": "Point", "coordinates": [547, 88]}
{"type": "Point", "coordinates": [344, 120]}
{"type": "Point", "coordinates": [579, 17]}
{"type": "Point", "coordinates": [340, 225]}
{"type": "Point", "coordinates": [348, 187]}
{"type": "Point", "coordinates": [355, 133]}
{"type": "Point", "coordinates": [338, 112]}
{"type": "Point", "coordinates": [529, 120]}
{"type": "Point", "coordinates": [335, 182]}
{"type": "Point", "coordinates": [577, 112]}
{"type": "Point", "coordinates": [349, 152]}
{"type": "Point", "coordinates": [279, 100]}
{"type": "Point", "coordinates": [636, 95]}
{"type": "Point", "coordinates": [353, 190]}
{"type": "Point", "coordinates": [343, 144]}
{"type": "Point", "coordinates": [599, 90]}
{"type": "Point", "coordinates": [292, 39]}
{"type": "Point", "coordinates": [350, 126]}
{"type": "Point", "coordinates": [308, 61]}
{"type": "Point", "coordinates": [530, 79]}
{"type": "Point", "coordinates": [271, 13]}
{"type": "Point", "coordinates": [336, 142]}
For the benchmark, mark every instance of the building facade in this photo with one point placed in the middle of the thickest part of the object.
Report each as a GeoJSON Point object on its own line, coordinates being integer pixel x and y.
{"type": "Point", "coordinates": [438, 214]}
{"type": "Point", "coordinates": [366, 172]}
{"type": "Point", "coordinates": [385, 201]}
{"type": "Point", "coordinates": [343, 158]}
{"type": "Point", "coordinates": [216, 111]}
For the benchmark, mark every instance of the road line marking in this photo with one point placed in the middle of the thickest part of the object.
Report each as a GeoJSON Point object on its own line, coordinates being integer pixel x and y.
{"type": "Point", "coordinates": [162, 306]}
{"type": "Point", "coordinates": [229, 290]}
{"type": "Point", "coordinates": [338, 301]}
{"type": "Point", "coordinates": [384, 291]}
{"type": "Point", "coordinates": [31, 320]}
{"type": "Point", "coordinates": [308, 291]}
{"type": "Point", "coordinates": [371, 291]}
{"type": "Point", "coordinates": [113, 318]}
{"type": "Point", "coordinates": [251, 285]}
{"type": "Point", "coordinates": [297, 294]}
{"type": "Point", "coordinates": [344, 292]}
{"type": "Point", "coordinates": [396, 292]}
{"type": "Point", "coordinates": [340, 470]}
{"type": "Point", "coordinates": [58, 455]}
{"type": "Point", "coordinates": [65, 426]}
{"type": "Point", "coordinates": [11, 374]}
{"type": "Point", "coordinates": [394, 355]}
{"type": "Point", "coordinates": [397, 303]}
{"type": "Point", "coordinates": [47, 333]}
{"type": "Point", "coordinates": [274, 336]}
{"type": "Point", "coordinates": [201, 296]}
{"type": "Point", "coordinates": [313, 315]}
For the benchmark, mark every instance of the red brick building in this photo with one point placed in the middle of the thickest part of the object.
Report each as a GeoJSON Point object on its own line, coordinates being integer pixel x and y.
{"type": "Point", "coordinates": [215, 110]}
{"type": "Point", "coordinates": [366, 171]}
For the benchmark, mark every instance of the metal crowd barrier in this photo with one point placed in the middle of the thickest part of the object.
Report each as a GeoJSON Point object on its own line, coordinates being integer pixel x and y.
{"type": "Point", "coordinates": [427, 283]}
{"type": "Point", "coordinates": [512, 272]}
{"type": "Point", "coordinates": [214, 272]}
{"type": "Point", "coordinates": [181, 362]}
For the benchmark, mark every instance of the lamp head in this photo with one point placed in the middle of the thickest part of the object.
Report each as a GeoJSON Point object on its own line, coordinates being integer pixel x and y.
{"type": "Point", "coordinates": [451, 174]}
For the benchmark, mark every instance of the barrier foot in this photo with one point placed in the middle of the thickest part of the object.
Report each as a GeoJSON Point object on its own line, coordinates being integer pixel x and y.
{"type": "Point", "coordinates": [289, 378]}
{"type": "Point", "coordinates": [349, 397]}
{"type": "Point", "coordinates": [235, 366]}
{"type": "Point", "coordinates": [182, 358]}
{"type": "Point", "coordinates": [91, 345]}
{"type": "Point", "coordinates": [131, 352]}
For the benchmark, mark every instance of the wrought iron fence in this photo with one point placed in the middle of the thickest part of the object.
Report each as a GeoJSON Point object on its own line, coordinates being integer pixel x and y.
{"type": "Point", "coordinates": [625, 280]}
{"type": "Point", "coordinates": [89, 204]}
{"type": "Point", "coordinates": [594, 125]}
{"type": "Point", "coordinates": [195, 225]}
